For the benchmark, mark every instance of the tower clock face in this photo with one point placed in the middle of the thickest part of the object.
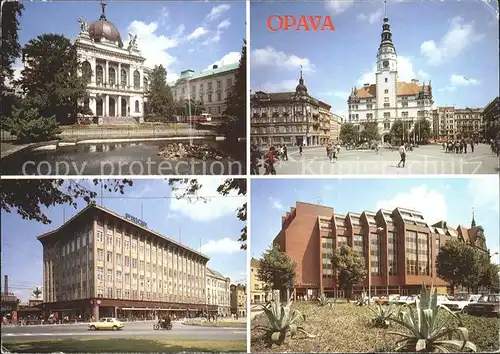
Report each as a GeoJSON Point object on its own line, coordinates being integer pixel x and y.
{"type": "Point", "coordinates": [385, 64]}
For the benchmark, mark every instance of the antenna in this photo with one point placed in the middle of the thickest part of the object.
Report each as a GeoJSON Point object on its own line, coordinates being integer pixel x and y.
{"type": "Point", "coordinates": [385, 9]}
{"type": "Point", "coordinates": [320, 200]}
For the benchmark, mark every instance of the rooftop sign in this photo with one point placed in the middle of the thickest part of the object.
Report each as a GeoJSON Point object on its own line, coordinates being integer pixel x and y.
{"type": "Point", "coordinates": [135, 220]}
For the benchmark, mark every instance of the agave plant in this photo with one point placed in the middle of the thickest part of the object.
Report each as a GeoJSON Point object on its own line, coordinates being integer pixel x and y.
{"type": "Point", "coordinates": [382, 316]}
{"type": "Point", "coordinates": [425, 334]}
{"type": "Point", "coordinates": [281, 321]}
{"type": "Point", "coordinates": [323, 300]}
{"type": "Point", "coordinates": [363, 300]}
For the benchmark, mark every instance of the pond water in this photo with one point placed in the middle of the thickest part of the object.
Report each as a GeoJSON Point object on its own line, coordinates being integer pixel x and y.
{"type": "Point", "coordinates": [139, 158]}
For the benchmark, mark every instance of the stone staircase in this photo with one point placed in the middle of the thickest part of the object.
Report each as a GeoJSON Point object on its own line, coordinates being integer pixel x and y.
{"type": "Point", "coordinates": [119, 121]}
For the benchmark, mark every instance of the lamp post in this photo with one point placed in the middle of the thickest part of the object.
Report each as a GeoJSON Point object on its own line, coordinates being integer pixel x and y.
{"type": "Point", "coordinates": [189, 112]}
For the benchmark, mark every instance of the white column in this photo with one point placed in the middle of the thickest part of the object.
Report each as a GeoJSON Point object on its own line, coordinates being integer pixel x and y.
{"type": "Point", "coordinates": [119, 106]}
{"type": "Point", "coordinates": [106, 74]}
{"type": "Point", "coordinates": [106, 102]}
{"type": "Point", "coordinates": [119, 75]}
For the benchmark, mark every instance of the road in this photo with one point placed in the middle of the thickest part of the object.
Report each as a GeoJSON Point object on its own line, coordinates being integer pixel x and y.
{"type": "Point", "coordinates": [429, 159]}
{"type": "Point", "coordinates": [131, 330]}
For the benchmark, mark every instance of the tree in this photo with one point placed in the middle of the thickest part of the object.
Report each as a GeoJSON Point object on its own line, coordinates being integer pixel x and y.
{"type": "Point", "coordinates": [277, 269]}
{"type": "Point", "coordinates": [348, 133]}
{"type": "Point", "coordinates": [51, 78]}
{"type": "Point", "coordinates": [190, 187]}
{"type": "Point", "coordinates": [196, 109]}
{"type": "Point", "coordinates": [398, 132]}
{"type": "Point", "coordinates": [490, 278]}
{"type": "Point", "coordinates": [234, 119]}
{"type": "Point", "coordinates": [28, 126]}
{"type": "Point", "coordinates": [11, 50]}
{"type": "Point", "coordinates": [159, 95]}
{"type": "Point", "coordinates": [27, 195]}
{"type": "Point", "coordinates": [455, 263]}
{"type": "Point", "coordinates": [370, 132]}
{"type": "Point", "coordinates": [349, 268]}
{"type": "Point", "coordinates": [422, 130]}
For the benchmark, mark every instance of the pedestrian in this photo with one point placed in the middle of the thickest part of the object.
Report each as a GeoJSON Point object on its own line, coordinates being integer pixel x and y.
{"type": "Point", "coordinates": [402, 153]}
{"type": "Point", "coordinates": [465, 146]}
{"type": "Point", "coordinates": [270, 161]}
{"type": "Point", "coordinates": [329, 152]}
{"type": "Point", "coordinates": [337, 152]}
{"type": "Point", "coordinates": [472, 146]}
{"type": "Point", "coordinates": [300, 149]}
{"type": "Point", "coordinates": [254, 160]}
{"type": "Point", "coordinates": [285, 153]}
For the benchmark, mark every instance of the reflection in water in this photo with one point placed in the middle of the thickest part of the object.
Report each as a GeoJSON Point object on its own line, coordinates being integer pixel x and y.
{"type": "Point", "coordinates": [116, 159]}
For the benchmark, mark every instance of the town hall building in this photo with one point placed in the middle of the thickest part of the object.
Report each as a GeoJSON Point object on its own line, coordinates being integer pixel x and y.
{"type": "Point", "coordinates": [389, 99]}
{"type": "Point", "coordinates": [118, 78]}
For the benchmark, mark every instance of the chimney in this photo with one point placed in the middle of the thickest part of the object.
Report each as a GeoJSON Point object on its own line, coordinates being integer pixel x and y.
{"type": "Point", "coordinates": [366, 85]}
{"type": "Point", "coordinates": [215, 67]}
{"type": "Point", "coordinates": [6, 285]}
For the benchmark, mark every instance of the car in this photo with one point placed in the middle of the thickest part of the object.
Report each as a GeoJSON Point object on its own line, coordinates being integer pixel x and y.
{"type": "Point", "coordinates": [461, 302]}
{"type": "Point", "coordinates": [485, 305]}
{"type": "Point", "coordinates": [106, 323]}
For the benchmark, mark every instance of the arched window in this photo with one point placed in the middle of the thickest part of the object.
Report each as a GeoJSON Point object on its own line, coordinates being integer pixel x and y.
{"type": "Point", "coordinates": [112, 76]}
{"type": "Point", "coordinates": [137, 106]}
{"type": "Point", "coordinates": [124, 77]}
{"type": "Point", "coordinates": [99, 72]}
{"type": "Point", "coordinates": [137, 80]}
{"type": "Point", "coordinates": [145, 83]}
{"type": "Point", "coordinates": [87, 71]}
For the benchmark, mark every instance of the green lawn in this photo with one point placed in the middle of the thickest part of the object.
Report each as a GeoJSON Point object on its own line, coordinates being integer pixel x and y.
{"type": "Point", "coordinates": [115, 345]}
{"type": "Point", "coordinates": [346, 328]}
{"type": "Point", "coordinates": [218, 323]}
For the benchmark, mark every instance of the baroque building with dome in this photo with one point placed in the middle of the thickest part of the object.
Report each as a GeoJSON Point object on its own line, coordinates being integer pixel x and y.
{"type": "Point", "coordinates": [389, 99]}
{"type": "Point", "coordinates": [291, 118]}
{"type": "Point", "coordinates": [118, 78]}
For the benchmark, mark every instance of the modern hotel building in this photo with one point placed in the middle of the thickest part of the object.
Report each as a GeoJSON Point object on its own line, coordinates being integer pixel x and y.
{"type": "Point", "coordinates": [399, 247]}
{"type": "Point", "coordinates": [102, 264]}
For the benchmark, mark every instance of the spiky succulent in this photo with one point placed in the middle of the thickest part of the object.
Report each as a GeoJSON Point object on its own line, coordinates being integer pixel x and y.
{"type": "Point", "coordinates": [281, 321]}
{"type": "Point", "coordinates": [382, 316]}
{"type": "Point", "coordinates": [425, 334]}
{"type": "Point", "coordinates": [324, 301]}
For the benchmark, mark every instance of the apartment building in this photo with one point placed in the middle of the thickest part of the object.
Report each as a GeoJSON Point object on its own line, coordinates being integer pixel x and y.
{"type": "Point", "coordinates": [219, 292]}
{"type": "Point", "coordinates": [211, 87]}
{"type": "Point", "coordinates": [457, 123]}
{"type": "Point", "coordinates": [399, 247]}
{"type": "Point", "coordinates": [491, 118]}
{"type": "Point", "coordinates": [100, 263]}
{"type": "Point", "coordinates": [259, 292]}
{"type": "Point", "coordinates": [238, 300]}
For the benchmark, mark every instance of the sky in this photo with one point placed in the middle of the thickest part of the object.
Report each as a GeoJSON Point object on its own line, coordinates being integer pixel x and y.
{"type": "Point", "coordinates": [454, 44]}
{"type": "Point", "coordinates": [177, 35]}
{"type": "Point", "coordinates": [449, 199]}
{"type": "Point", "coordinates": [213, 225]}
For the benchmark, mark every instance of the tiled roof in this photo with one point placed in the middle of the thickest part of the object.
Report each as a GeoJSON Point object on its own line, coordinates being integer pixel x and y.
{"type": "Point", "coordinates": [403, 88]}
{"type": "Point", "coordinates": [276, 96]}
{"type": "Point", "coordinates": [367, 91]}
{"type": "Point", "coordinates": [215, 273]}
{"type": "Point", "coordinates": [208, 72]}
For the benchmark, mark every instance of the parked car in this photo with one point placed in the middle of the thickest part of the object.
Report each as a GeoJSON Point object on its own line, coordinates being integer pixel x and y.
{"type": "Point", "coordinates": [106, 323]}
{"type": "Point", "coordinates": [485, 305]}
{"type": "Point", "coordinates": [461, 302]}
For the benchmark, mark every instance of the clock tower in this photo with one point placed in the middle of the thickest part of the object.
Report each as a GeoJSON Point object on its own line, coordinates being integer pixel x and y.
{"type": "Point", "coordinates": [386, 76]}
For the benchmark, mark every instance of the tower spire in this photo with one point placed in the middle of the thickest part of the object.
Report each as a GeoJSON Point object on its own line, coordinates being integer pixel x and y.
{"type": "Point", "coordinates": [385, 9]}
{"type": "Point", "coordinates": [301, 79]}
{"type": "Point", "coordinates": [473, 222]}
{"type": "Point", "coordinates": [103, 7]}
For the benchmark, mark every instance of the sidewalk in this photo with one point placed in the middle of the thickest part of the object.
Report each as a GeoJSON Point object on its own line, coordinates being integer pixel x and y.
{"type": "Point", "coordinates": [78, 323]}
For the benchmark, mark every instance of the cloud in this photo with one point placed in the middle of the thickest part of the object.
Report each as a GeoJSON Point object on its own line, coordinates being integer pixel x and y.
{"type": "Point", "coordinates": [459, 37]}
{"type": "Point", "coordinates": [406, 72]}
{"type": "Point", "coordinates": [224, 245]}
{"type": "Point", "coordinates": [459, 80]}
{"type": "Point", "coordinates": [282, 86]}
{"type": "Point", "coordinates": [18, 67]}
{"type": "Point", "coordinates": [423, 75]}
{"type": "Point", "coordinates": [337, 7]}
{"type": "Point", "coordinates": [484, 192]}
{"type": "Point", "coordinates": [269, 56]}
{"type": "Point", "coordinates": [217, 11]}
{"type": "Point", "coordinates": [228, 59]}
{"type": "Point", "coordinates": [372, 18]}
{"type": "Point", "coordinates": [197, 33]}
{"type": "Point", "coordinates": [276, 204]}
{"type": "Point", "coordinates": [339, 94]}
{"type": "Point", "coordinates": [431, 203]}
{"type": "Point", "coordinates": [221, 27]}
{"type": "Point", "coordinates": [213, 209]}
{"type": "Point", "coordinates": [172, 216]}
{"type": "Point", "coordinates": [154, 46]}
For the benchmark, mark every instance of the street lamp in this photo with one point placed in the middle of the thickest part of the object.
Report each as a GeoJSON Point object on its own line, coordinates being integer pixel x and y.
{"type": "Point", "coordinates": [189, 113]}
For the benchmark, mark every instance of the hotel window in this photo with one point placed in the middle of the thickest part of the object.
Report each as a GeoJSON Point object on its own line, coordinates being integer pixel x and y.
{"type": "Point", "coordinates": [375, 254]}
{"type": "Point", "coordinates": [423, 254]}
{"type": "Point", "coordinates": [100, 254]}
{"type": "Point", "coordinates": [110, 293]}
{"type": "Point", "coordinates": [386, 99]}
{"type": "Point", "coordinates": [109, 239]}
{"type": "Point", "coordinates": [327, 253]}
{"type": "Point", "coordinates": [134, 262]}
{"type": "Point", "coordinates": [134, 245]}
{"type": "Point", "coordinates": [100, 273]}
{"type": "Point", "coordinates": [109, 257]}
{"type": "Point", "coordinates": [141, 249]}
{"type": "Point", "coordinates": [126, 244]}
{"type": "Point", "coordinates": [387, 105]}
{"type": "Point", "coordinates": [148, 254]}
{"type": "Point", "coordinates": [219, 98]}
{"type": "Point", "coordinates": [134, 278]}
{"type": "Point", "coordinates": [341, 240]}
{"type": "Point", "coordinates": [109, 275]}
{"type": "Point", "coordinates": [119, 293]}
{"type": "Point", "coordinates": [119, 276]}
{"type": "Point", "coordinates": [358, 245]}
{"type": "Point", "coordinates": [118, 242]}
{"type": "Point", "coordinates": [387, 125]}
{"type": "Point", "coordinates": [118, 259]}
{"type": "Point", "coordinates": [411, 252]}
{"type": "Point", "coordinates": [100, 292]}
{"type": "Point", "coordinates": [387, 115]}
{"type": "Point", "coordinates": [404, 114]}
{"type": "Point", "coordinates": [209, 97]}
{"type": "Point", "coordinates": [392, 251]}
{"type": "Point", "coordinates": [386, 91]}
{"type": "Point", "coordinates": [385, 80]}
{"type": "Point", "coordinates": [141, 265]}
{"type": "Point", "coordinates": [127, 261]}
{"type": "Point", "coordinates": [127, 278]}
{"type": "Point", "coordinates": [100, 237]}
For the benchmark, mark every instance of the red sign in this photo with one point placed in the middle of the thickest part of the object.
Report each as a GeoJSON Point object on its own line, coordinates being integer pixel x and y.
{"type": "Point", "coordinates": [277, 23]}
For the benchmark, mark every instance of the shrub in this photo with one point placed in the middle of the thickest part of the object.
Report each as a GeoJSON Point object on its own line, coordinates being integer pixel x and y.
{"type": "Point", "coordinates": [281, 321]}
{"type": "Point", "coordinates": [425, 334]}
{"type": "Point", "coordinates": [324, 301]}
{"type": "Point", "coordinates": [28, 126]}
{"type": "Point", "coordinates": [382, 316]}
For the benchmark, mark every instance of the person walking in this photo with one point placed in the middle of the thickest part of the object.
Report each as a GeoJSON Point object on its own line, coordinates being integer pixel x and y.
{"type": "Point", "coordinates": [254, 160]}
{"type": "Point", "coordinates": [285, 153]}
{"type": "Point", "coordinates": [270, 161]}
{"type": "Point", "coordinates": [300, 149]}
{"type": "Point", "coordinates": [402, 153]}
{"type": "Point", "coordinates": [329, 152]}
